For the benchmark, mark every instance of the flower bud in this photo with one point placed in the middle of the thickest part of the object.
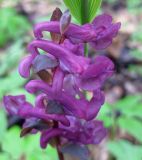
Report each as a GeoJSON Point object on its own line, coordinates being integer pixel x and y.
{"type": "Point", "coordinates": [65, 21]}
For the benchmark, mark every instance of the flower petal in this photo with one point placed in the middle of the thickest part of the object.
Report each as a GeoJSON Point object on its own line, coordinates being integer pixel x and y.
{"type": "Point", "coordinates": [49, 134]}
{"type": "Point", "coordinates": [102, 20]}
{"type": "Point", "coordinates": [95, 104]}
{"type": "Point", "coordinates": [105, 30]}
{"type": "Point", "coordinates": [77, 49]}
{"type": "Point", "coordinates": [70, 103]}
{"type": "Point", "coordinates": [43, 62]}
{"type": "Point", "coordinates": [73, 31]}
{"type": "Point", "coordinates": [57, 83]}
{"type": "Point", "coordinates": [40, 101]}
{"type": "Point", "coordinates": [31, 112]}
{"type": "Point", "coordinates": [13, 103]}
{"type": "Point", "coordinates": [95, 75]}
{"type": "Point", "coordinates": [68, 61]}
{"type": "Point", "coordinates": [91, 132]}
{"type": "Point", "coordinates": [25, 65]}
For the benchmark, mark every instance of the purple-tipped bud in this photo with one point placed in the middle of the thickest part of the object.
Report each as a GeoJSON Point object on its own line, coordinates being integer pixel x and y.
{"type": "Point", "coordinates": [65, 21]}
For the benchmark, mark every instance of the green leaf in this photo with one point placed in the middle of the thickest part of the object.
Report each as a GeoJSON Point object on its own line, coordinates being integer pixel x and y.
{"type": "Point", "coordinates": [13, 25]}
{"type": "Point", "coordinates": [134, 6]}
{"type": "Point", "coordinates": [4, 124]}
{"type": "Point", "coordinates": [4, 156]}
{"type": "Point", "coordinates": [123, 150]}
{"type": "Point", "coordinates": [12, 138]}
{"type": "Point", "coordinates": [105, 115]}
{"type": "Point", "coordinates": [10, 83]}
{"type": "Point", "coordinates": [28, 146]}
{"type": "Point", "coordinates": [12, 56]}
{"type": "Point", "coordinates": [131, 126]}
{"type": "Point", "coordinates": [130, 106]}
{"type": "Point", "coordinates": [83, 10]}
{"type": "Point", "coordinates": [128, 102]}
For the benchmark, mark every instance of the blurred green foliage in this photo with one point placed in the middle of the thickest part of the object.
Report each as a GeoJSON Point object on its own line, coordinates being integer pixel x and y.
{"type": "Point", "coordinates": [10, 58]}
{"type": "Point", "coordinates": [136, 52]}
{"type": "Point", "coordinates": [124, 115]}
{"type": "Point", "coordinates": [9, 77]}
{"type": "Point", "coordinates": [12, 25]}
{"type": "Point", "coordinates": [134, 6]}
{"type": "Point", "coordinates": [14, 148]}
{"type": "Point", "coordinates": [136, 38]}
{"type": "Point", "coordinates": [123, 150]}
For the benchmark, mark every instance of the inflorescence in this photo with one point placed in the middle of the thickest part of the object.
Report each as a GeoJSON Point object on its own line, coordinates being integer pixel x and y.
{"type": "Point", "coordinates": [66, 76]}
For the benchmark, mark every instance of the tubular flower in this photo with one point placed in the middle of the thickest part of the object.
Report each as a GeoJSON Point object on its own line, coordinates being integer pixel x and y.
{"type": "Point", "coordinates": [66, 75]}
{"type": "Point", "coordinates": [97, 72]}
{"type": "Point", "coordinates": [99, 34]}
{"type": "Point", "coordinates": [81, 108]}
{"type": "Point", "coordinates": [14, 105]}
{"type": "Point", "coordinates": [79, 131]}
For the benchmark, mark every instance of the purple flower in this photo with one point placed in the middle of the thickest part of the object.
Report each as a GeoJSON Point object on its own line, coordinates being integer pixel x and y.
{"type": "Point", "coordinates": [13, 103]}
{"type": "Point", "coordinates": [68, 60]}
{"type": "Point", "coordinates": [105, 31]}
{"type": "Point", "coordinates": [79, 131]}
{"type": "Point", "coordinates": [100, 69]}
{"type": "Point", "coordinates": [77, 49]}
{"type": "Point", "coordinates": [99, 34]}
{"type": "Point", "coordinates": [81, 108]}
{"type": "Point", "coordinates": [25, 65]}
{"type": "Point", "coordinates": [90, 75]}
{"type": "Point", "coordinates": [17, 105]}
{"type": "Point", "coordinates": [91, 132]}
{"type": "Point", "coordinates": [62, 110]}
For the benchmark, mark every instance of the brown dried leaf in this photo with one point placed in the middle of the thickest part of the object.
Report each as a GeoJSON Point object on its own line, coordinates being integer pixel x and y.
{"type": "Point", "coordinates": [45, 76]}
{"type": "Point", "coordinates": [56, 15]}
{"type": "Point", "coordinates": [35, 124]}
{"type": "Point", "coordinates": [25, 131]}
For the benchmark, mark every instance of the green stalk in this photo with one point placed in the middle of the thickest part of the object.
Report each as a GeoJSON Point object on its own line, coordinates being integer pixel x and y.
{"type": "Point", "coordinates": [86, 49]}
{"type": "Point", "coordinates": [84, 20]}
{"type": "Point", "coordinates": [84, 12]}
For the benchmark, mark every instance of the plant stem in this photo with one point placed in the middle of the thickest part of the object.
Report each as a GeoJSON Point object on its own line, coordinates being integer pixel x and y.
{"type": "Point", "coordinates": [58, 143]}
{"type": "Point", "coordinates": [60, 154]}
{"type": "Point", "coordinates": [86, 49]}
{"type": "Point", "coordinates": [84, 11]}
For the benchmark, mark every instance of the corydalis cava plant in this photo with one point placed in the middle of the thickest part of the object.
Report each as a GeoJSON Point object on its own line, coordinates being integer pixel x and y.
{"type": "Point", "coordinates": [62, 113]}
